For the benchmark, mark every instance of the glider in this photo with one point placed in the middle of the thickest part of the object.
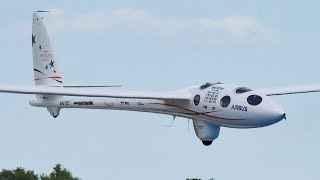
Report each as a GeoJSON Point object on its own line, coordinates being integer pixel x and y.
{"type": "Point", "coordinates": [209, 106]}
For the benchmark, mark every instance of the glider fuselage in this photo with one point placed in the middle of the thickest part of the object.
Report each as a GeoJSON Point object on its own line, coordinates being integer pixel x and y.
{"type": "Point", "coordinates": [218, 104]}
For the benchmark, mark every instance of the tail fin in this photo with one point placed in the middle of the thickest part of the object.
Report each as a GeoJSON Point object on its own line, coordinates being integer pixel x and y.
{"type": "Point", "coordinates": [46, 70]}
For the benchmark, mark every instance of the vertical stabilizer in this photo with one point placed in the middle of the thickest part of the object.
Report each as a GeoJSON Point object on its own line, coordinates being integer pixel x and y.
{"type": "Point", "coordinates": [46, 70]}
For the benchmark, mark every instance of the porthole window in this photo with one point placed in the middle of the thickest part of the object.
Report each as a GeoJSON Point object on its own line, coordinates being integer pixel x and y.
{"type": "Point", "coordinates": [196, 100]}
{"type": "Point", "coordinates": [254, 100]}
{"type": "Point", "coordinates": [225, 101]}
{"type": "Point", "coordinates": [241, 90]}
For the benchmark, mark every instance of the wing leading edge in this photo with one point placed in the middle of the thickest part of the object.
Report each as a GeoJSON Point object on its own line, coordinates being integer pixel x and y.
{"type": "Point", "coordinates": [43, 90]}
{"type": "Point", "coordinates": [290, 90]}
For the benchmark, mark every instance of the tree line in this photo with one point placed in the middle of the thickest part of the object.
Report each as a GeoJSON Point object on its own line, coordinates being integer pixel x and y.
{"type": "Point", "coordinates": [58, 173]}
{"type": "Point", "coordinates": [19, 173]}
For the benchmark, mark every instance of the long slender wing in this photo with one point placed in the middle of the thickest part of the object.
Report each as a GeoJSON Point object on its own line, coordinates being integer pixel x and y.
{"type": "Point", "coordinates": [290, 90]}
{"type": "Point", "coordinates": [177, 95]}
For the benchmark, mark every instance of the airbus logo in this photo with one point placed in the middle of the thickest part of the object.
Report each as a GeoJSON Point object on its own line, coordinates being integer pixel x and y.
{"type": "Point", "coordinates": [239, 108]}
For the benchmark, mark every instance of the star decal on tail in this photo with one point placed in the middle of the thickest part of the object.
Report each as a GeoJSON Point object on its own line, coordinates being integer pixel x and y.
{"type": "Point", "coordinates": [51, 64]}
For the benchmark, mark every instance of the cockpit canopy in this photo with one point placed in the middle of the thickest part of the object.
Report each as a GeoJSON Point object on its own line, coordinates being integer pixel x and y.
{"type": "Point", "coordinates": [205, 86]}
{"type": "Point", "coordinates": [241, 90]}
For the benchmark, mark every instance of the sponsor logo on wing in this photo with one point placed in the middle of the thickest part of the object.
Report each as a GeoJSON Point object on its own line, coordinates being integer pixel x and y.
{"type": "Point", "coordinates": [124, 103]}
{"type": "Point", "coordinates": [83, 103]}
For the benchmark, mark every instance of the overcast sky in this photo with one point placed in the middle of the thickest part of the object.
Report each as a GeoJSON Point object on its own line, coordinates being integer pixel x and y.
{"type": "Point", "coordinates": [163, 45]}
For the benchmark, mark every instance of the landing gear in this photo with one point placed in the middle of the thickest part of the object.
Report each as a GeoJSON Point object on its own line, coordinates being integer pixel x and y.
{"type": "Point", "coordinates": [206, 131]}
{"type": "Point", "coordinates": [207, 143]}
{"type": "Point", "coordinates": [54, 111]}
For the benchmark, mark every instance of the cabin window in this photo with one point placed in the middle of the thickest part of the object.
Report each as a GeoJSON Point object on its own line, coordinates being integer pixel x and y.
{"type": "Point", "coordinates": [225, 101]}
{"type": "Point", "coordinates": [254, 100]}
{"type": "Point", "coordinates": [196, 100]}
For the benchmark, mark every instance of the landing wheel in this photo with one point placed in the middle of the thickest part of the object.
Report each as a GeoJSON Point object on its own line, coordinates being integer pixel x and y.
{"type": "Point", "coordinates": [207, 143]}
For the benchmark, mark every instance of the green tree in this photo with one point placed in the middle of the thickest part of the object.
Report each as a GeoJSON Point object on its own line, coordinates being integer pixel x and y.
{"type": "Point", "coordinates": [59, 173]}
{"type": "Point", "coordinates": [18, 174]}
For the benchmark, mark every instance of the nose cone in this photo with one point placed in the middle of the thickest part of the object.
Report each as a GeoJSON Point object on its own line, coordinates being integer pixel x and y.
{"type": "Point", "coordinates": [273, 112]}
{"type": "Point", "coordinates": [278, 113]}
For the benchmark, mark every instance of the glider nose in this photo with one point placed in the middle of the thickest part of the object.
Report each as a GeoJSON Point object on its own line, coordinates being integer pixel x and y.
{"type": "Point", "coordinates": [270, 112]}
{"type": "Point", "coordinates": [276, 113]}
{"type": "Point", "coordinates": [280, 114]}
